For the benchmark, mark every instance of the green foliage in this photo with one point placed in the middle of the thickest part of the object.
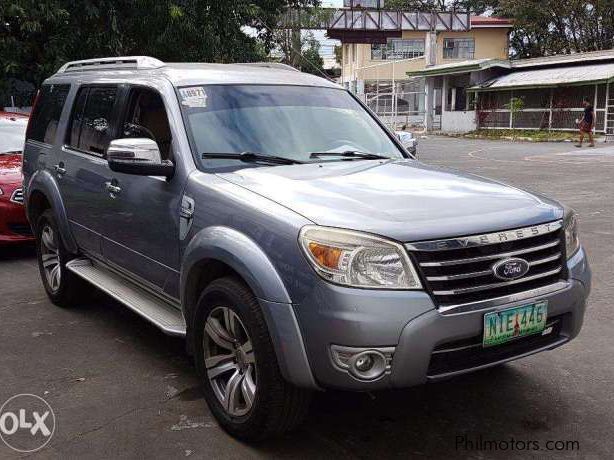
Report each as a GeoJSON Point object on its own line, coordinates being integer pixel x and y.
{"type": "Point", "coordinates": [516, 104]}
{"type": "Point", "coordinates": [531, 135]}
{"type": "Point", "coordinates": [544, 27]}
{"type": "Point", "coordinates": [311, 61]}
{"type": "Point", "coordinates": [38, 36]}
{"type": "Point", "coordinates": [339, 54]}
{"type": "Point", "coordinates": [474, 6]}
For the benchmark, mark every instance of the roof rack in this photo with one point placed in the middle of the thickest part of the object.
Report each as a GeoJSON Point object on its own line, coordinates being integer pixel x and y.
{"type": "Point", "coordinates": [112, 63]}
{"type": "Point", "coordinates": [272, 65]}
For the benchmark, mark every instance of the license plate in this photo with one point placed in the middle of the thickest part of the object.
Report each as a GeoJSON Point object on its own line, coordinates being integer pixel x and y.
{"type": "Point", "coordinates": [503, 326]}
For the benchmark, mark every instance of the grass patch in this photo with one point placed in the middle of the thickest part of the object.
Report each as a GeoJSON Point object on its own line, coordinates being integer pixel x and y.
{"type": "Point", "coordinates": [525, 135]}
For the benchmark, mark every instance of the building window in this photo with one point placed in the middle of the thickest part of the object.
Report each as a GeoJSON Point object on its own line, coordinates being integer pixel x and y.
{"type": "Point", "coordinates": [397, 49]}
{"type": "Point", "coordinates": [346, 54]}
{"type": "Point", "coordinates": [458, 48]}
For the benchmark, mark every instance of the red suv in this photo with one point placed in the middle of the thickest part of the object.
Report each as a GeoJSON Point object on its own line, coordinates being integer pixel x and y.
{"type": "Point", "coordinates": [14, 226]}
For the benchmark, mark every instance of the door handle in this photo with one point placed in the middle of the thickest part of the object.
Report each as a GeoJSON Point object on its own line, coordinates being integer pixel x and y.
{"type": "Point", "coordinates": [112, 188]}
{"type": "Point", "coordinates": [59, 169]}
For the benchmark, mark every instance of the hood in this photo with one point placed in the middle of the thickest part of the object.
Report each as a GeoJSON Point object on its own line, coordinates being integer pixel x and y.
{"type": "Point", "coordinates": [10, 168]}
{"type": "Point", "coordinates": [405, 199]}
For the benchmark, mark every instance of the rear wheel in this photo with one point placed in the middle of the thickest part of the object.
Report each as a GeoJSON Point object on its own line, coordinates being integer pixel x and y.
{"type": "Point", "coordinates": [61, 286]}
{"type": "Point", "coordinates": [236, 361]}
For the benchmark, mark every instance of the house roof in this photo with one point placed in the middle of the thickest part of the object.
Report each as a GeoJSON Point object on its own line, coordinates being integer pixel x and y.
{"type": "Point", "coordinates": [490, 21]}
{"type": "Point", "coordinates": [562, 76]}
{"type": "Point", "coordinates": [551, 62]}
{"type": "Point", "coordinates": [591, 56]}
{"type": "Point", "coordinates": [460, 67]}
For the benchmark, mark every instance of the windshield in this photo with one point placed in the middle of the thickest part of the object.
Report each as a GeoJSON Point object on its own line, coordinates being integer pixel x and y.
{"type": "Point", "coordinates": [286, 121]}
{"type": "Point", "coordinates": [12, 135]}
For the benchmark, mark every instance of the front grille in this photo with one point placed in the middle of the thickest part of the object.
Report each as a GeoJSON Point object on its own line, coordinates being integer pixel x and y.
{"type": "Point", "coordinates": [459, 271]}
{"type": "Point", "coordinates": [469, 353]}
{"type": "Point", "coordinates": [17, 196]}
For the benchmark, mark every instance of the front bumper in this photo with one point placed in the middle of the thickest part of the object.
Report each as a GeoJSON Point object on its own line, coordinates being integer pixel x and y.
{"type": "Point", "coordinates": [409, 322]}
{"type": "Point", "coordinates": [14, 226]}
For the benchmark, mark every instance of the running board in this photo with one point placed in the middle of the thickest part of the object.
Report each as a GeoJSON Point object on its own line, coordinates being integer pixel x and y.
{"type": "Point", "coordinates": [166, 317]}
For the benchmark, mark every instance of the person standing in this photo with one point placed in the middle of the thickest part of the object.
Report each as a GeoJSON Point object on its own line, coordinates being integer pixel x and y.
{"type": "Point", "coordinates": [586, 123]}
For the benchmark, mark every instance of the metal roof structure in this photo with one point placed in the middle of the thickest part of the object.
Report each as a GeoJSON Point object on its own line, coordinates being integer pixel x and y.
{"type": "Point", "coordinates": [590, 56]}
{"type": "Point", "coordinates": [471, 65]}
{"type": "Point", "coordinates": [552, 63]}
{"type": "Point", "coordinates": [561, 76]}
{"type": "Point", "coordinates": [372, 19]}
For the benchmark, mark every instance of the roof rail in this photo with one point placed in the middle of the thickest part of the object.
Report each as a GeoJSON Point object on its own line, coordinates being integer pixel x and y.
{"type": "Point", "coordinates": [272, 65]}
{"type": "Point", "coordinates": [112, 63]}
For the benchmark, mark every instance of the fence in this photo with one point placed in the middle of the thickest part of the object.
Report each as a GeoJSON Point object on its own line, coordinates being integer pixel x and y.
{"type": "Point", "coordinates": [555, 109]}
{"type": "Point", "coordinates": [399, 105]}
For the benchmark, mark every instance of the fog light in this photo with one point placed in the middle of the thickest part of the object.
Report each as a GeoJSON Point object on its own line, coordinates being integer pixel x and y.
{"type": "Point", "coordinates": [364, 363]}
{"type": "Point", "coordinates": [368, 365]}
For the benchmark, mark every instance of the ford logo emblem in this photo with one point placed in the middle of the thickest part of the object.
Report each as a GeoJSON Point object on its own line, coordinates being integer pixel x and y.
{"type": "Point", "coordinates": [510, 269]}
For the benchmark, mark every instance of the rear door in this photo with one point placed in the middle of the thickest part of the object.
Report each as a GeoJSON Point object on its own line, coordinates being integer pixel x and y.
{"type": "Point", "coordinates": [42, 134]}
{"type": "Point", "coordinates": [82, 168]}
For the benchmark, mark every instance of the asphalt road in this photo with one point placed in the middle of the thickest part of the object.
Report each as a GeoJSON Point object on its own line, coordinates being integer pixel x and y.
{"type": "Point", "coordinates": [121, 389]}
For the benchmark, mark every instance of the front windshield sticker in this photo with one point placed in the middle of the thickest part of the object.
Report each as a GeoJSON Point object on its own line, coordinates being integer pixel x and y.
{"type": "Point", "coordinates": [193, 97]}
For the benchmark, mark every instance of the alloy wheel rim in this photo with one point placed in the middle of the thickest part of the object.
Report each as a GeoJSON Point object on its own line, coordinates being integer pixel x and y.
{"type": "Point", "coordinates": [230, 361]}
{"type": "Point", "coordinates": [50, 258]}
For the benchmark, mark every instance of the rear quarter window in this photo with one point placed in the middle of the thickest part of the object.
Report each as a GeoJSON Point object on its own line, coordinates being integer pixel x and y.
{"type": "Point", "coordinates": [46, 115]}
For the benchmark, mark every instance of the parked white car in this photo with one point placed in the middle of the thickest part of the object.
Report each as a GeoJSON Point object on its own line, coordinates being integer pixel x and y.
{"type": "Point", "coordinates": [409, 141]}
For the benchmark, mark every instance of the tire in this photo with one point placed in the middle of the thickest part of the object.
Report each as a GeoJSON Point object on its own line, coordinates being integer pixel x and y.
{"type": "Point", "coordinates": [227, 304]}
{"type": "Point", "coordinates": [62, 286]}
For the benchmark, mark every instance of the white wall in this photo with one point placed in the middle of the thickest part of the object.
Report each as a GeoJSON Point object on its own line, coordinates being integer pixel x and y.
{"type": "Point", "coordinates": [458, 122]}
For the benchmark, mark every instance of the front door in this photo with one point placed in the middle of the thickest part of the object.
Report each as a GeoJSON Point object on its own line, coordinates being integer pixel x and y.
{"type": "Point", "coordinates": [144, 237]}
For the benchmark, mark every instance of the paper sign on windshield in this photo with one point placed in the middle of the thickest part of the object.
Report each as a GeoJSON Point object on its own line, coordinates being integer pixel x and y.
{"type": "Point", "coordinates": [194, 96]}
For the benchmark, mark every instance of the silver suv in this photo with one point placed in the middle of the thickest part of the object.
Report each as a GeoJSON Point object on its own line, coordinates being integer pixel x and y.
{"type": "Point", "coordinates": [270, 218]}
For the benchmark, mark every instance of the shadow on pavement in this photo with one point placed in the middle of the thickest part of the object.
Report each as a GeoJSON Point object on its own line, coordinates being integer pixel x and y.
{"type": "Point", "coordinates": [20, 251]}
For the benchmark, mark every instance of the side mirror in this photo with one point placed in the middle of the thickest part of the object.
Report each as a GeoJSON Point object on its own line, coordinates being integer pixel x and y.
{"type": "Point", "coordinates": [138, 156]}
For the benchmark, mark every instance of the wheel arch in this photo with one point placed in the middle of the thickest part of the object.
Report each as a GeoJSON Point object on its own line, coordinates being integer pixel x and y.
{"type": "Point", "coordinates": [43, 193]}
{"type": "Point", "coordinates": [216, 252]}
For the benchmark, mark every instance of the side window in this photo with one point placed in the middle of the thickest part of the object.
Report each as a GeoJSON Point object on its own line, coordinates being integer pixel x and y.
{"type": "Point", "coordinates": [47, 112]}
{"type": "Point", "coordinates": [147, 117]}
{"type": "Point", "coordinates": [76, 119]}
{"type": "Point", "coordinates": [90, 123]}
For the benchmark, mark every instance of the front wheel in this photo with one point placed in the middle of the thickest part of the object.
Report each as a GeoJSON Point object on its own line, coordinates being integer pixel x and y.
{"type": "Point", "coordinates": [236, 361]}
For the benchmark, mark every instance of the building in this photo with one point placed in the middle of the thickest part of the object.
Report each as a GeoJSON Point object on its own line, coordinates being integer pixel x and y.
{"type": "Point", "coordinates": [380, 48]}
{"type": "Point", "coordinates": [539, 93]}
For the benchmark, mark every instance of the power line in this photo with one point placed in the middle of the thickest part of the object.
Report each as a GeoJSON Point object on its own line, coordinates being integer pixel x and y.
{"type": "Point", "coordinates": [299, 52]}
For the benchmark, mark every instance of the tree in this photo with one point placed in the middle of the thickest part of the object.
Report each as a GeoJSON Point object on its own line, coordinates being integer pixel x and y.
{"type": "Point", "coordinates": [544, 27]}
{"type": "Point", "coordinates": [473, 6]}
{"type": "Point", "coordinates": [38, 36]}
{"type": "Point", "coordinates": [339, 54]}
{"type": "Point", "coordinates": [311, 61]}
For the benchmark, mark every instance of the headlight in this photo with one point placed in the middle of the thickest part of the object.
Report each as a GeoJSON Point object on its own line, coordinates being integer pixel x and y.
{"type": "Point", "coordinates": [572, 238]}
{"type": "Point", "coordinates": [358, 259]}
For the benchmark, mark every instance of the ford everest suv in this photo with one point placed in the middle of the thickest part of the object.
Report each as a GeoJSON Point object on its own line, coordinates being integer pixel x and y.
{"type": "Point", "coordinates": [270, 218]}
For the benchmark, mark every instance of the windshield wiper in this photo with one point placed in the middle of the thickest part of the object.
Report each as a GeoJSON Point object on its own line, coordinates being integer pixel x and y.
{"type": "Point", "coordinates": [350, 154]}
{"type": "Point", "coordinates": [252, 157]}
